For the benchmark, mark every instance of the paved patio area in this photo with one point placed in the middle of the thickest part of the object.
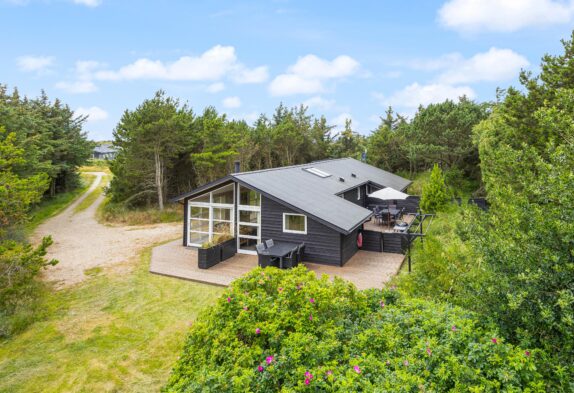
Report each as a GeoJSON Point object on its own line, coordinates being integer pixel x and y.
{"type": "Point", "coordinates": [365, 269]}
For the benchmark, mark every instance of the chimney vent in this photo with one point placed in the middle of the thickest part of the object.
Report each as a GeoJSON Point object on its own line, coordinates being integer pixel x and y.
{"type": "Point", "coordinates": [237, 166]}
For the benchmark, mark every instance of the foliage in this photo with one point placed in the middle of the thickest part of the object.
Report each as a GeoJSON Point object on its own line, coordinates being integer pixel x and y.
{"type": "Point", "coordinates": [279, 330]}
{"type": "Point", "coordinates": [435, 195]}
{"type": "Point", "coordinates": [118, 214]}
{"type": "Point", "coordinates": [217, 239]}
{"type": "Point", "coordinates": [19, 265]}
{"type": "Point", "coordinates": [120, 330]}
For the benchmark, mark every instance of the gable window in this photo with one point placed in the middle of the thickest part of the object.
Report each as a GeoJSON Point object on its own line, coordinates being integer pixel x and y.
{"type": "Point", "coordinates": [294, 223]}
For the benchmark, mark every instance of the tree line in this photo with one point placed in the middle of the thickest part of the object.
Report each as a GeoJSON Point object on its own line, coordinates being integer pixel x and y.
{"type": "Point", "coordinates": [167, 149]}
{"type": "Point", "coordinates": [42, 144]}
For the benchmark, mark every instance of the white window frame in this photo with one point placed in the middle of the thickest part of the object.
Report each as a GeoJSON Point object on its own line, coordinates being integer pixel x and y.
{"type": "Point", "coordinates": [210, 205]}
{"type": "Point", "coordinates": [285, 230]}
{"type": "Point", "coordinates": [359, 193]}
{"type": "Point", "coordinates": [252, 208]}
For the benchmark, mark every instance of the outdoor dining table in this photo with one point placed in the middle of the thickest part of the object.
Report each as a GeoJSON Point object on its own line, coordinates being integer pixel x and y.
{"type": "Point", "coordinates": [391, 212]}
{"type": "Point", "coordinates": [280, 250]}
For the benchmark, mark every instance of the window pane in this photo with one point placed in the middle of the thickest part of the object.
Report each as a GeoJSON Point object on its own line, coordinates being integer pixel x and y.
{"type": "Point", "coordinates": [199, 212]}
{"type": "Point", "coordinates": [199, 225]}
{"type": "Point", "coordinates": [247, 216]}
{"type": "Point", "coordinates": [249, 197]}
{"type": "Point", "coordinates": [247, 244]}
{"type": "Point", "coordinates": [221, 227]}
{"type": "Point", "coordinates": [198, 238]}
{"type": "Point", "coordinates": [248, 230]}
{"type": "Point", "coordinates": [295, 223]}
{"type": "Point", "coordinates": [203, 198]}
{"type": "Point", "coordinates": [221, 214]}
{"type": "Point", "coordinates": [224, 195]}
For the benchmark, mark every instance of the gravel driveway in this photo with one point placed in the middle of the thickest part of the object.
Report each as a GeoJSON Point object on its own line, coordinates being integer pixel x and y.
{"type": "Point", "coordinates": [81, 243]}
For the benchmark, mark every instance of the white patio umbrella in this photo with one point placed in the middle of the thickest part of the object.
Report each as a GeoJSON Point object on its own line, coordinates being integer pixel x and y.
{"type": "Point", "coordinates": [388, 193]}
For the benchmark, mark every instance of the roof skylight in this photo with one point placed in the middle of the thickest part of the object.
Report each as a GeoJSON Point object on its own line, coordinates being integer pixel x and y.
{"type": "Point", "coordinates": [317, 172]}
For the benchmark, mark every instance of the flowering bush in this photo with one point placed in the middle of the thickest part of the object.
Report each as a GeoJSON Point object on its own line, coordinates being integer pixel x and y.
{"type": "Point", "coordinates": [289, 331]}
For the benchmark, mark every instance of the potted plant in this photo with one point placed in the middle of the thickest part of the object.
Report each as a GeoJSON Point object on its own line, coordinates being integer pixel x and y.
{"type": "Point", "coordinates": [220, 248]}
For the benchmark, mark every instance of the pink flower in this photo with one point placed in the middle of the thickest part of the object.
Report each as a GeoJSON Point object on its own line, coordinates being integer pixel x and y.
{"type": "Point", "coordinates": [307, 381]}
{"type": "Point", "coordinates": [382, 304]}
{"type": "Point", "coordinates": [329, 372]}
{"type": "Point", "coordinates": [388, 362]}
{"type": "Point", "coordinates": [257, 331]}
{"type": "Point", "coordinates": [429, 352]}
{"type": "Point", "coordinates": [494, 340]}
{"type": "Point", "coordinates": [299, 286]}
{"type": "Point", "coordinates": [280, 289]}
{"type": "Point", "coordinates": [312, 300]}
{"type": "Point", "coordinates": [310, 317]}
{"type": "Point", "coordinates": [245, 308]}
{"type": "Point", "coordinates": [228, 299]}
{"type": "Point", "coordinates": [406, 363]}
{"type": "Point", "coordinates": [357, 369]}
{"type": "Point", "coordinates": [527, 353]}
{"type": "Point", "coordinates": [269, 359]}
{"type": "Point", "coordinates": [453, 328]}
{"type": "Point", "coordinates": [308, 375]}
{"type": "Point", "coordinates": [260, 368]}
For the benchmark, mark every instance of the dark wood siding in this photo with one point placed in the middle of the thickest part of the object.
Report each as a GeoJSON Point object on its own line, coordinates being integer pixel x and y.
{"type": "Point", "coordinates": [323, 244]}
{"type": "Point", "coordinates": [185, 220]}
{"type": "Point", "coordinates": [393, 242]}
{"type": "Point", "coordinates": [372, 241]}
{"type": "Point", "coordinates": [351, 196]}
{"type": "Point", "coordinates": [348, 246]}
{"type": "Point", "coordinates": [411, 204]}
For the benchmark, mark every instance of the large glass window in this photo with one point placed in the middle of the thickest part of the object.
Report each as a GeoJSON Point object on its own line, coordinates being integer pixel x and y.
{"type": "Point", "coordinates": [211, 214]}
{"type": "Point", "coordinates": [249, 197]}
{"type": "Point", "coordinates": [249, 220]}
{"type": "Point", "coordinates": [294, 223]}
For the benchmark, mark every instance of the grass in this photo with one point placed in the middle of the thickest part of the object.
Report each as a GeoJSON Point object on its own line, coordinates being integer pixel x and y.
{"type": "Point", "coordinates": [96, 166]}
{"type": "Point", "coordinates": [112, 213]}
{"type": "Point", "coordinates": [53, 206]}
{"type": "Point", "coordinates": [95, 194]}
{"type": "Point", "coordinates": [117, 332]}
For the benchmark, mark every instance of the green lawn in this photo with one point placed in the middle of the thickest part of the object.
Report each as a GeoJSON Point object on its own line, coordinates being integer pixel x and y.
{"type": "Point", "coordinates": [122, 330]}
{"type": "Point", "coordinates": [52, 206]}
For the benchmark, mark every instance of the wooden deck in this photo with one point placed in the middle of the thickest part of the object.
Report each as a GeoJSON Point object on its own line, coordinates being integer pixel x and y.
{"type": "Point", "coordinates": [372, 226]}
{"type": "Point", "coordinates": [365, 269]}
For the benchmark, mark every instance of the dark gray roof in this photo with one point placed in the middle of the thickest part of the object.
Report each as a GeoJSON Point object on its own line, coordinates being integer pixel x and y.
{"type": "Point", "coordinates": [319, 196]}
{"type": "Point", "coordinates": [103, 149]}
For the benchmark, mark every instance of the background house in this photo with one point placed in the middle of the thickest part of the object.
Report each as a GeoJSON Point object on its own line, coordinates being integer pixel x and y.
{"type": "Point", "coordinates": [104, 152]}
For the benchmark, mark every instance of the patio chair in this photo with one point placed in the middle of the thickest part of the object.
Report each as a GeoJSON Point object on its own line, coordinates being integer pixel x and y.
{"type": "Point", "coordinates": [269, 243]}
{"type": "Point", "coordinates": [300, 253]}
{"type": "Point", "coordinates": [260, 247]}
{"type": "Point", "coordinates": [263, 259]}
{"type": "Point", "coordinates": [290, 260]}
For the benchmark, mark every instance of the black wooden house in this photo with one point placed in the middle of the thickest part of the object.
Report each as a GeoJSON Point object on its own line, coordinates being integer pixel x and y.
{"type": "Point", "coordinates": [323, 204]}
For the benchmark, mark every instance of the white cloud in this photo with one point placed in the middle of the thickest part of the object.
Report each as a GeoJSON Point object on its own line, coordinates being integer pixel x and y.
{"type": "Point", "coordinates": [494, 65]}
{"type": "Point", "coordinates": [216, 87]}
{"type": "Point", "coordinates": [231, 102]}
{"type": "Point", "coordinates": [212, 65]}
{"type": "Point", "coordinates": [504, 15]}
{"type": "Point", "coordinates": [415, 94]}
{"type": "Point", "coordinates": [340, 120]}
{"type": "Point", "coordinates": [319, 103]}
{"type": "Point", "coordinates": [306, 76]}
{"type": "Point", "coordinates": [88, 3]}
{"type": "Point", "coordinates": [77, 87]}
{"type": "Point", "coordinates": [35, 63]}
{"type": "Point", "coordinates": [94, 113]}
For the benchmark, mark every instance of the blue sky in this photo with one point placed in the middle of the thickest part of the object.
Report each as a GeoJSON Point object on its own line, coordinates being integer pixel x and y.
{"type": "Point", "coordinates": [343, 59]}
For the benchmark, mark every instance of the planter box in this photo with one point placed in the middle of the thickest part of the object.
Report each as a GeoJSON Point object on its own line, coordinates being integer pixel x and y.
{"type": "Point", "coordinates": [228, 249]}
{"type": "Point", "coordinates": [208, 257]}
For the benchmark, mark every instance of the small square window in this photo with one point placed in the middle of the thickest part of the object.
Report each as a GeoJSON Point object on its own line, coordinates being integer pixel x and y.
{"type": "Point", "coordinates": [294, 223]}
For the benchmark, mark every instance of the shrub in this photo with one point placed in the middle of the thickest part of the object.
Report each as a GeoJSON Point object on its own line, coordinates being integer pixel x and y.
{"type": "Point", "coordinates": [279, 330]}
{"type": "Point", "coordinates": [435, 194]}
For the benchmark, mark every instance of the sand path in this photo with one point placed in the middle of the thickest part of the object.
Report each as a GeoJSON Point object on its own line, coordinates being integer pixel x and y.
{"type": "Point", "coordinates": [81, 242]}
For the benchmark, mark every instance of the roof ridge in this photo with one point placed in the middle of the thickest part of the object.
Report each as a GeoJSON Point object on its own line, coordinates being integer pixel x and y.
{"type": "Point", "coordinates": [291, 166]}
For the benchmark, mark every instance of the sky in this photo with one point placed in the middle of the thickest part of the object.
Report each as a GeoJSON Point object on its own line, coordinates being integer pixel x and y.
{"type": "Point", "coordinates": [342, 59]}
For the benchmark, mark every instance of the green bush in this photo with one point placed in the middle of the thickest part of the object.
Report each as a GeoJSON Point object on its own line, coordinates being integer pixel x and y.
{"type": "Point", "coordinates": [279, 330]}
{"type": "Point", "coordinates": [435, 195]}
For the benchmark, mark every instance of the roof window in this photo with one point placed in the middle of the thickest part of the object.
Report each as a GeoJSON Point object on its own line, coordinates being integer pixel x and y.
{"type": "Point", "coordinates": [317, 172]}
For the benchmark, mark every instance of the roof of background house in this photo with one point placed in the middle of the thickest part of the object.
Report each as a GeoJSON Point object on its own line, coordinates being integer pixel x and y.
{"type": "Point", "coordinates": [103, 149]}
{"type": "Point", "coordinates": [315, 195]}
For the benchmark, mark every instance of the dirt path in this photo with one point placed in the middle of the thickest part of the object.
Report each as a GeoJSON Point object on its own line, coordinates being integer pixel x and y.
{"type": "Point", "coordinates": [81, 243]}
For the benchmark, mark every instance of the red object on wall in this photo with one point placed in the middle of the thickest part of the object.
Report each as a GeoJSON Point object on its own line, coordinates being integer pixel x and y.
{"type": "Point", "coordinates": [360, 240]}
